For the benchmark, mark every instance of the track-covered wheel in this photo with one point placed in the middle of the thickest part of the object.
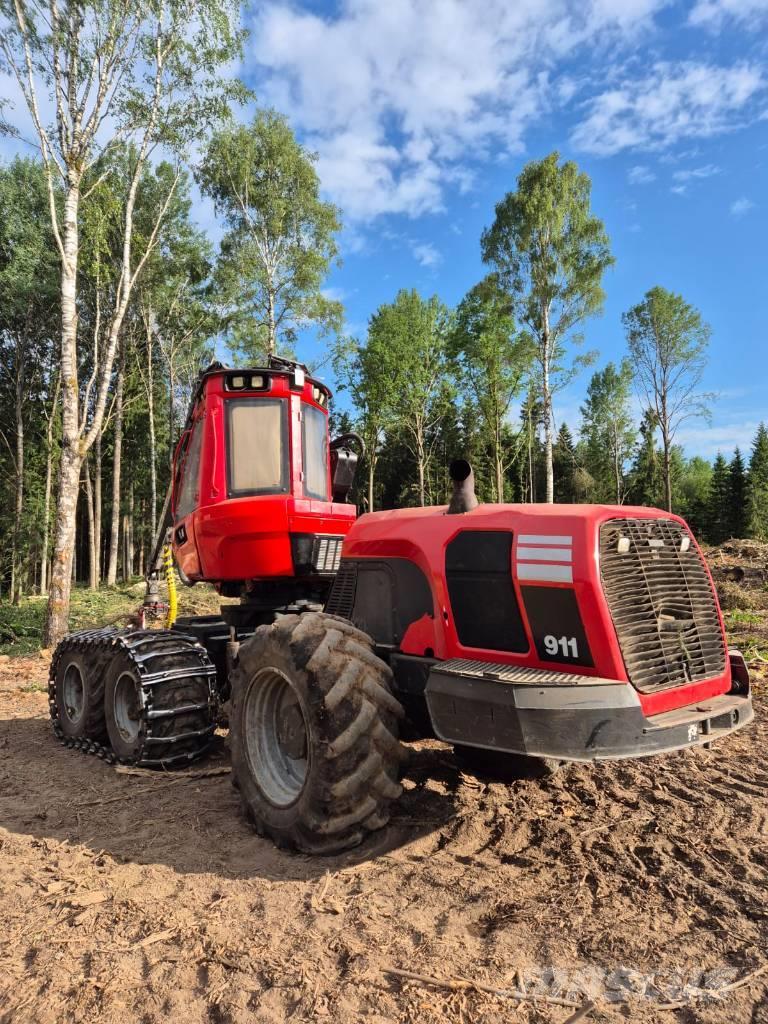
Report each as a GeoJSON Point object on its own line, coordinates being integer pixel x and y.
{"type": "Point", "coordinates": [157, 699]}
{"type": "Point", "coordinates": [313, 729]}
{"type": "Point", "coordinates": [140, 696]}
{"type": "Point", "coordinates": [79, 696]}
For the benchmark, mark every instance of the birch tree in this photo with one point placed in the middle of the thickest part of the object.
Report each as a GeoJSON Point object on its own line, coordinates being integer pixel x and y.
{"type": "Point", "coordinates": [414, 332]}
{"type": "Point", "coordinates": [94, 74]}
{"type": "Point", "coordinates": [608, 431]}
{"type": "Point", "coordinates": [668, 342]}
{"type": "Point", "coordinates": [369, 375]}
{"type": "Point", "coordinates": [281, 241]}
{"type": "Point", "coordinates": [493, 361]}
{"type": "Point", "coordinates": [551, 252]}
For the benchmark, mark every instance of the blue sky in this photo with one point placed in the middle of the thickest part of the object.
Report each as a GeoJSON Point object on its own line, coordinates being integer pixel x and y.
{"type": "Point", "coordinates": [424, 111]}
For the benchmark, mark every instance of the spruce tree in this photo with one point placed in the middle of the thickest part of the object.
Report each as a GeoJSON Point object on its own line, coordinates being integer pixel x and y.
{"type": "Point", "coordinates": [646, 482]}
{"type": "Point", "coordinates": [718, 525]}
{"type": "Point", "coordinates": [737, 496]}
{"type": "Point", "coordinates": [564, 462]}
{"type": "Point", "coordinates": [757, 486]}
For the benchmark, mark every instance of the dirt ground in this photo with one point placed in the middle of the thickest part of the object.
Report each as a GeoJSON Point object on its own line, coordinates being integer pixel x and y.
{"type": "Point", "coordinates": [148, 898]}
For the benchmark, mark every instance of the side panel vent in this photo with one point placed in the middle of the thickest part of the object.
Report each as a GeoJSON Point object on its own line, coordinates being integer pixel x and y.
{"type": "Point", "coordinates": [341, 600]}
{"type": "Point", "coordinates": [478, 570]}
{"type": "Point", "coordinates": [662, 603]}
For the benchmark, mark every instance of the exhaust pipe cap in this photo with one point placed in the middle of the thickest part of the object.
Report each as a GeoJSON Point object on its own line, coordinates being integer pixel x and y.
{"type": "Point", "coordinates": [463, 498]}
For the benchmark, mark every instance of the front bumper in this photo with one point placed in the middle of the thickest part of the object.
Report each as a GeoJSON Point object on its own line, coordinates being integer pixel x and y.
{"type": "Point", "coordinates": [571, 718]}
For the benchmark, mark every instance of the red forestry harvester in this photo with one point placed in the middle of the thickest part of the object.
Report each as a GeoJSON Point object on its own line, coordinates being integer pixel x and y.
{"type": "Point", "coordinates": [572, 632]}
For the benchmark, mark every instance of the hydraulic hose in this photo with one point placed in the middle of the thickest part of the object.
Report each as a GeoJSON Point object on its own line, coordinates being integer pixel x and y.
{"type": "Point", "coordinates": [170, 579]}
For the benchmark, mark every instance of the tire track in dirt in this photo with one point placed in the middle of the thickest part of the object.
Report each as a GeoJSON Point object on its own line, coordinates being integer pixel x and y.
{"type": "Point", "coordinates": [657, 865]}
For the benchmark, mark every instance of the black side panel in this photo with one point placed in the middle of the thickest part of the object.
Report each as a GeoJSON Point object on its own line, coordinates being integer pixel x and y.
{"type": "Point", "coordinates": [479, 575]}
{"type": "Point", "coordinates": [555, 621]}
{"type": "Point", "coordinates": [381, 596]}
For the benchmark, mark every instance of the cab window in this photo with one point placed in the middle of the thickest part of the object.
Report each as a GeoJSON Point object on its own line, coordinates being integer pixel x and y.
{"type": "Point", "coordinates": [257, 446]}
{"type": "Point", "coordinates": [315, 452]}
{"type": "Point", "coordinates": [189, 490]}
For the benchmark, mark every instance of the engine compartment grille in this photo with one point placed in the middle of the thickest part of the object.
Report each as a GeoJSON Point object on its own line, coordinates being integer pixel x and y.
{"type": "Point", "coordinates": [662, 603]}
{"type": "Point", "coordinates": [341, 600]}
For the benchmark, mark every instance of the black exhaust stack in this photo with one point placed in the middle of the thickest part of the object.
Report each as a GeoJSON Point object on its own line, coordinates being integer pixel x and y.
{"type": "Point", "coordinates": [463, 498]}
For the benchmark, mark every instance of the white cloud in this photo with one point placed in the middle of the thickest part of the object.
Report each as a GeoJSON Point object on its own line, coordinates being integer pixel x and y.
{"type": "Point", "coordinates": [741, 206]}
{"type": "Point", "coordinates": [334, 294]}
{"type": "Point", "coordinates": [721, 437]}
{"type": "Point", "coordinates": [400, 98]}
{"type": "Point", "coordinates": [677, 101]}
{"type": "Point", "coordinates": [426, 254]}
{"type": "Point", "coordinates": [640, 175]}
{"type": "Point", "coordinates": [712, 13]}
{"type": "Point", "coordinates": [679, 190]}
{"type": "Point", "coordinates": [708, 171]}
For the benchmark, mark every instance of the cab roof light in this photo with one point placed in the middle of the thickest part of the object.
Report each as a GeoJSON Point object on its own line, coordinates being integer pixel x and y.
{"type": "Point", "coordinates": [247, 382]}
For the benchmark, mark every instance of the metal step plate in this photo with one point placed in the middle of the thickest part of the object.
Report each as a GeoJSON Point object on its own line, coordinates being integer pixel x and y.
{"type": "Point", "coordinates": [517, 675]}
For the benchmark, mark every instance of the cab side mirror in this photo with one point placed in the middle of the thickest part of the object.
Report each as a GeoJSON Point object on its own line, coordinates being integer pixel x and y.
{"type": "Point", "coordinates": [344, 465]}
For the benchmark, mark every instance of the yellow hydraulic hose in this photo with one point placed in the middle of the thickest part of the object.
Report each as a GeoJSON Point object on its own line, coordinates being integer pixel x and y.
{"type": "Point", "coordinates": [170, 579]}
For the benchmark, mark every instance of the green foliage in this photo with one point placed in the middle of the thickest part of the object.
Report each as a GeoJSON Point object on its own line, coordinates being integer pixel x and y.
{"type": "Point", "coordinates": [718, 524]}
{"type": "Point", "coordinates": [549, 248]}
{"type": "Point", "coordinates": [691, 491]}
{"type": "Point", "coordinates": [668, 342]}
{"type": "Point", "coordinates": [411, 335]}
{"type": "Point", "coordinates": [20, 627]}
{"type": "Point", "coordinates": [757, 489]}
{"type": "Point", "coordinates": [492, 360]}
{"type": "Point", "coordinates": [281, 240]}
{"type": "Point", "coordinates": [646, 482]}
{"type": "Point", "coordinates": [29, 322]}
{"type": "Point", "coordinates": [551, 252]}
{"type": "Point", "coordinates": [608, 431]}
{"type": "Point", "coordinates": [565, 466]}
{"type": "Point", "coordinates": [737, 496]}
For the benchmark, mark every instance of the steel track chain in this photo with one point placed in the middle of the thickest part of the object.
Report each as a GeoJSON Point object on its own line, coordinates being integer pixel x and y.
{"type": "Point", "coordinates": [104, 641]}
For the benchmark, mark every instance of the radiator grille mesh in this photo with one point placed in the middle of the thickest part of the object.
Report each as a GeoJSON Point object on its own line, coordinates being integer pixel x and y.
{"type": "Point", "coordinates": [341, 600]}
{"type": "Point", "coordinates": [662, 603]}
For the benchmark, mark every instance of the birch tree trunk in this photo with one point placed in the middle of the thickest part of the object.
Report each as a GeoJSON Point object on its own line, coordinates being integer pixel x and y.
{"type": "Point", "coordinates": [48, 488]}
{"type": "Point", "coordinates": [57, 615]}
{"type": "Point", "coordinates": [546, 394]}
{"type": "Point", "coordinates": [97, 503]}
{"type": "Point", "coordinates": [93, 579]}
{"type": "Point", "coordinates": [667, 445]}
{"type": "Point", "coordinates": [19, 481]}
{"type": "Point", "coordinates": [116, 470]}
{"type": "Point", "coordinates": [128, 530]}
{"type": "Point", "coordinates": [152, 440]}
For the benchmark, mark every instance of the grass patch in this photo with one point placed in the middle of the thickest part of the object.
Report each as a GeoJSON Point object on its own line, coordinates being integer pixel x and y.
{"type": "Point", "coordinates": [738, 617]}
{"type": "Point", "coordinates": [21, 627]}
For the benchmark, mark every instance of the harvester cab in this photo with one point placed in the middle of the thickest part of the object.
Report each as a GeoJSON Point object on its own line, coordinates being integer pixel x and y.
{"type": "Point", "coordinates": [566, 632]}
{"type": "Point", "coordinates": [258, 492]}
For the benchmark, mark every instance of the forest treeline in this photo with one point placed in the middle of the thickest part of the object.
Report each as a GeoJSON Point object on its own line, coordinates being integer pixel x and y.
{"type": "Point", "coordinates": [112, 298]}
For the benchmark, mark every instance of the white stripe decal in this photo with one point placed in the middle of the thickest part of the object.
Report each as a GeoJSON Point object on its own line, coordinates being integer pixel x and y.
{"type": "Point", "coordinates": [545, 554]}
{"type": "Point", "coordinates": [545, 573]}
{"type": "Point", "coordinates": [540, 538]}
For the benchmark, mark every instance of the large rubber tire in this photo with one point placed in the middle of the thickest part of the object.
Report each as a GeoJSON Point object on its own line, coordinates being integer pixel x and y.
{"type": "Point", "coordinates": [313, 731]}
{"type": "Point", "coordinates": [79, 695]}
